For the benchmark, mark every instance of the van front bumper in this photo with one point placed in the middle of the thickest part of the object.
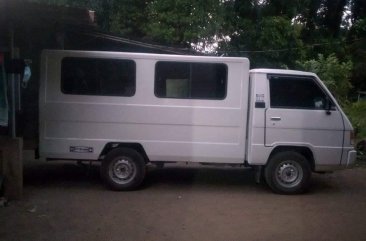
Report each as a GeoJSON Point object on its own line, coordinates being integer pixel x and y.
{"type": "Point", "coordinates": [351, 158]}
{"type": "Point", "coordinates": [346, 163]}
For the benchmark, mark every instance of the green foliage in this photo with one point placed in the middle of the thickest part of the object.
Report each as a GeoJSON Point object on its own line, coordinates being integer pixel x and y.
{"type": "Point", "coordinates": [357, 114]}
{"type": "Point", "coordinates": [335, 74]}
{"type": "Point", "coordinates": [128, 18]}
{"type": "Point", "coordinates": [269, 42]}
{"type": "Point", "coordinates": [184, 21]}
{"type": "Point", "coordinates": [357, 51]}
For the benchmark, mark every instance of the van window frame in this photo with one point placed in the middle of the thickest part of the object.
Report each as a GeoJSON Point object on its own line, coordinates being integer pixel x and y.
{"type": "Point", "coordinates": [311, 78]}
{"type": "Point", "coordinates": [130, 61]}
{"type": "Point", "coordinates": [190, 81]}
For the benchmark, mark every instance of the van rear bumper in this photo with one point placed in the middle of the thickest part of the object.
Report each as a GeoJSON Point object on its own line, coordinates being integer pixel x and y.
{"type": "Point", "coordinates": [351, 158]}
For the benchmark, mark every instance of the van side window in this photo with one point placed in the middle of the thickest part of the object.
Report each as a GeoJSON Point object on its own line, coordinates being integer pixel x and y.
{"type": "Point", "coordinates": [296, 93]}
{"type": "Point", "coordinates": [190, 80]}
{"type": "Point", "coordinates": [95, 76]}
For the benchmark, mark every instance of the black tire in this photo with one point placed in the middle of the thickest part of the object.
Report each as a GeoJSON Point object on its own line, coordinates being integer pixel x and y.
{"type": "Point", "coordinates": [123, 169]}
{"type": "Point", "coordinates": [288, 173]}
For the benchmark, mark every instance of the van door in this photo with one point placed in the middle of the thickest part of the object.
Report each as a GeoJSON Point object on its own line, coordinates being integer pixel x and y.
{"type": "Point", "coordinates": [302, 114]}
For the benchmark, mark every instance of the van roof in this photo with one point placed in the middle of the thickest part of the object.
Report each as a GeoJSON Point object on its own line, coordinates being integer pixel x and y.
{"type": "Point", "coordinates": [110, 54]}
{"type": "Point", "coordinates": [281, 71]}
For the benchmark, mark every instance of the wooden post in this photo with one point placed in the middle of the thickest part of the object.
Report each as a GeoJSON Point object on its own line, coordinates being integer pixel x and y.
{"type": "Point", "coordinates": [11, 166]}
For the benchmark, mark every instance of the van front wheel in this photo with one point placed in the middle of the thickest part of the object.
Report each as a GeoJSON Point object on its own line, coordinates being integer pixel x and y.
{"type": "Point", "coordinates": [288, 173]}
{"type": "Point", "coordinates": [123, 169]}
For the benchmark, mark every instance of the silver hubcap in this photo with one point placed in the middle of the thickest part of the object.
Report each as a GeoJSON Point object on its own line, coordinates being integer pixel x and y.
{"type": "Point", "coordinates": [122, 170]}
{"type": "Point", "coordinates": [289, 173]}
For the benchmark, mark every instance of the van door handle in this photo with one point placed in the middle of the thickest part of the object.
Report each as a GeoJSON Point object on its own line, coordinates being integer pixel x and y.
{"type": "Point", "coordinates": [275, 118]}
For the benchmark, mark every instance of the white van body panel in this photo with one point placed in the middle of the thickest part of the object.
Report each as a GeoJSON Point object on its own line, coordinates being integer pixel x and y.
{"type": "Point", "coordinates": [240, 128]}
{"type": "Point", "coordinates": [168, 129]}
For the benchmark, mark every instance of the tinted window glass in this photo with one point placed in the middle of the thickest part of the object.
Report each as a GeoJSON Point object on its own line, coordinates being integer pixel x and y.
{"type": "Point", "coordinates": [88, 76]}
{"type": "Point", "coordinates": [190, 80]}
{"type": "Point", "coordinates": [296, 92]}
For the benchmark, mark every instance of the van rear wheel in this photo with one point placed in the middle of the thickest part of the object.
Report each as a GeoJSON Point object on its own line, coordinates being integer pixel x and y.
{"type": "Point", "coordinates": [288, 173]}
{"type": "Point", "coordinates": [123, 169]}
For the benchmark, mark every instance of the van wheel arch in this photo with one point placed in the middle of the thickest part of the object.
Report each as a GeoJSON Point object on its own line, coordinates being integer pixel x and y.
{"type": "Point", "coordinates": [116, 145]}
{"type": "Point", "coordinates": [303, 150]}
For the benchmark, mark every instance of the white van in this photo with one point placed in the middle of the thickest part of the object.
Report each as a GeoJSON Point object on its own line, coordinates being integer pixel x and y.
{"type": "Point", "coordinates": [129, 109]}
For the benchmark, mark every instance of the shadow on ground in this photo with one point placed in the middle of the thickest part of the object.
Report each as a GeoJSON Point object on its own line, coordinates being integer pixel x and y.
{"type": "Point", "coordinates": [69, 174]}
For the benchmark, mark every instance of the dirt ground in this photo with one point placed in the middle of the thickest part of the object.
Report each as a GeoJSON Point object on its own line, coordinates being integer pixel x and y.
{"type": "Point", "coordinates": [63, 201]}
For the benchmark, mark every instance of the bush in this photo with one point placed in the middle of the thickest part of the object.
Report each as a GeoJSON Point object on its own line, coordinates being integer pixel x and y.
{"type": "Point", "coordinates": [357, 114]}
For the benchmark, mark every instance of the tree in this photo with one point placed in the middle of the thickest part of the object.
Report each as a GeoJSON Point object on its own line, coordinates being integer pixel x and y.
{"type": "Point", "coordinates": [357, 36]}
{"type": "Point", "coordinates": [283, 8]}
{"type": "Point", "coordinates": [128, 17]}
{"type": "Point", "coordinates": [358, 9]}
{"type": "Point", "coordinates": [257, 32]}
{"type": "Point", "coordinates": [332, 12]}
{"type": "Point", "coordinates": [184, 22]}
